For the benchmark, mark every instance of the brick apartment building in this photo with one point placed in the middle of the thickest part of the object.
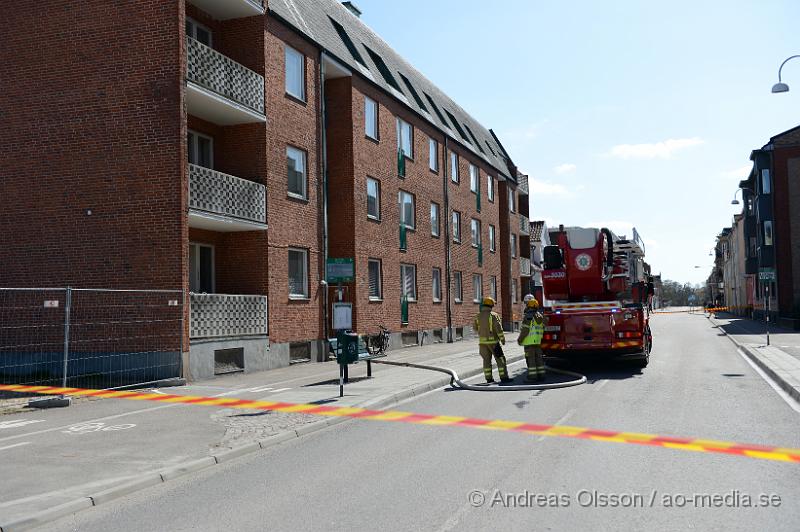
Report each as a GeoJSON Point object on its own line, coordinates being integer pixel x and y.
{"type": "Point", "coordinates": [229, 148]}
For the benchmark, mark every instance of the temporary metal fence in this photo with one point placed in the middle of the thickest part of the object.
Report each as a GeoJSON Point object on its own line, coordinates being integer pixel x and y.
{"type": "Point", "coordinates": [90, 338]}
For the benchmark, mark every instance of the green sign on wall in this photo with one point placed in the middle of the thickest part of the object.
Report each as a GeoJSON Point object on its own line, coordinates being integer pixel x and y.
{"type": "Point", "coordinates": [340, 270]}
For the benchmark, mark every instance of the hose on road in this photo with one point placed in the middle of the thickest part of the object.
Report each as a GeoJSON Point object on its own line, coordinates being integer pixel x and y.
{"type": "Point", "coordinates": [455, 382]}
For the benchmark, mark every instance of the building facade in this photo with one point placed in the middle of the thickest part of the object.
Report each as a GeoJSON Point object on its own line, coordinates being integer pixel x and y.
{"type": "Point", "coordinates": [232, 149]}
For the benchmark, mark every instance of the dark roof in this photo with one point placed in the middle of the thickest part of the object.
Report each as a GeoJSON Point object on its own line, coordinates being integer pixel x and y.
{"type": "Point", "coordinates": [536, 231]}
{"type": "Point", "coordinates": [387, 69]}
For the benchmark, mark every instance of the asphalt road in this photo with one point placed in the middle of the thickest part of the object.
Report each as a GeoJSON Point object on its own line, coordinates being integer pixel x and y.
{"type": "Point", "coordinates": [367, 475]}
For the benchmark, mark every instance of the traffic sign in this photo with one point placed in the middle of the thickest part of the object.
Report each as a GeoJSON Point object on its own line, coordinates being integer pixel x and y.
{"type": "Point", "coordinates": [340, 270]}
{"type": "Point", "coordinates": [767, 274]}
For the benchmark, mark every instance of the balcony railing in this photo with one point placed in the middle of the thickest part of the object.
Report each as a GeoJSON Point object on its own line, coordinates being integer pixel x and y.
{"type": "Point", "coordinates": [227, 196]}
{"type": "Point", "coordinates": [522, 184]}
{"type": "Point", "coordinates": [224, 76]}
{"type": "Point", "coordinates": [525, 266]}
{"type": "Point", "coordinates": [224, 316]}
{"type": "Point", "coordinates": [524, 225]}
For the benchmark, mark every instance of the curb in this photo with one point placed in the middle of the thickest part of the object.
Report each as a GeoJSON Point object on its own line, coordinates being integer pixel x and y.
{"type": "Point", "coordinates": [786, 386]}
{"type": "Point", "coordinates": [147, 480]}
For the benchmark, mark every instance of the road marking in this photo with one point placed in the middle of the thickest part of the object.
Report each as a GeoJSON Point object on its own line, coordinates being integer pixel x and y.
{"type": "Point", "coordinates": [262, 389]}
{"type": "Point", "coordinates": [14, 423]}
{"type": "Point", "coordinates": [788, 399]}
{"type": "Point", "coordinates": [85, 428]}
{"type": "Point", "coordinates": [15, 445]}
{"type": "Point", "coordinates": [280, 390]}
{"type": "Point", "coordinates": [565, 417]}
{"type": "Point", "coordinates": [783, 454]}
{"type": "Point", "coordinates": [600, 385]}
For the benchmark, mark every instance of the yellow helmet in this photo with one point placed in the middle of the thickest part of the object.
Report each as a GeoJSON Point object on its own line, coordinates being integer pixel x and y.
{"type": "Point", "coordinates": [487, 302]}
{"type": "Point", "coordinates": [532, 303]}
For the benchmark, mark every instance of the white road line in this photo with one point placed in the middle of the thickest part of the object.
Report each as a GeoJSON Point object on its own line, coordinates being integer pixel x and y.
{"type": "Point", "coordinates": [782, 394]}
{"type": "Point", "coordinates": [15, 445]}
{"type": "Point", "coordinates": [280, 390]}
{"type": "Point", "coordinates": [600, 385]}
{"type": "Point", "coordinates": [262, 389]}
{"type": "Point", "coordinates": [565, 417]}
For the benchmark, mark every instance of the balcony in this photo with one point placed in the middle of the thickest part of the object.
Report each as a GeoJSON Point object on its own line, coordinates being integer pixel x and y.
{"type": "Point", "coordinates": [222, 202]}
{"type": "Point", "coordinates": [525, 267]}
{"type": "Point", "coordinates": [524, 225]}
{"type": "Point", "coordinates": [230, 9]}
{"type": "Point", "coordinates": [219, 89]}
{"type": "Point", "coordinates": [226, 316]}
{"type": "Point", "coordinates": [522, 185]}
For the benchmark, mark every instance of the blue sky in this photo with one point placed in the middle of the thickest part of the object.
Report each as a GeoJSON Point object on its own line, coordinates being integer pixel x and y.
{"type": "Point", "coordinates": [623, 112]}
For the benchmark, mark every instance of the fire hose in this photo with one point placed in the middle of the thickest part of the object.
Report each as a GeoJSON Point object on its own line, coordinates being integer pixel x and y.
{"type": "Point", "coordinates": [455, 382]}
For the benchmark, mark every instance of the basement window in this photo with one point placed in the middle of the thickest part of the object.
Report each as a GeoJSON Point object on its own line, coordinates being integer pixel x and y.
{"type": "Point", "coordinates": [351, 47]}
{"type": "Point", "coordinates": [458, 127]}
{"type": "Point", "coordinates": [383, 69]}
{"type": "Point", "coordinates": [413, 92]}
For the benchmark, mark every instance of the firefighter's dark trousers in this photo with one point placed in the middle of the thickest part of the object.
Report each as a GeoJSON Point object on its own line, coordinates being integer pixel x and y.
{"type": "Point", "coordinates": [535, 360]}
{"type": "Point", "coordinates": [487, 352]}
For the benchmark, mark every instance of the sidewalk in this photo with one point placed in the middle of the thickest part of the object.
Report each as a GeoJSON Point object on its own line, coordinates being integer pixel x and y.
{"type": "Point", "coordinates": [780, 360]}
{"type": "Point", "coordinates": [59, 461]}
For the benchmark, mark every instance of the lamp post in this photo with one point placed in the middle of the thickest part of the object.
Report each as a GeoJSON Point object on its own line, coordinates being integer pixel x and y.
{"type": "Point", "coordinates": [781, 86]}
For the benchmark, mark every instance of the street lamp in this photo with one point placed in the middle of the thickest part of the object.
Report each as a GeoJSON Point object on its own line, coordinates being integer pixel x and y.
{"type": "Point", "coordinates": [781, 86]}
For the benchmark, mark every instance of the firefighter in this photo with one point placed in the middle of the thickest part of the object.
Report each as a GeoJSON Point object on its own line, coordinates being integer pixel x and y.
{"type": "Point", "coordinates": [490, 335]}
{"type": "Point", "coordinates": [530, 337]}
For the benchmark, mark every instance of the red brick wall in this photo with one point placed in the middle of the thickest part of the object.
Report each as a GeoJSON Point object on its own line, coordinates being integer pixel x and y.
{"type": "Point", "coordinates": [785, 207]}
{"type": "Point", "coordinates": [91, 110]}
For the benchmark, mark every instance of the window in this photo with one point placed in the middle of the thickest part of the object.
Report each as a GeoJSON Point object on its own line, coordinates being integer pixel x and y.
{"type": "Point", "coordinates": [435, 108]}
{"type": "Point", "coordinates": [458, 292]}
{"type": "Point", "coordinates": [383, 69]}
{"type": "Point", "coordinates": [371, 118]}
{"type": "Point", "coordinates": [511, 200]}
{"type": "Point", "coordinates": [408, 281]}
{"type": "Point", "coordinates": [492, 239]}
{"type": "Point", "coordinates": [413, 92]}
{"type": "Point", "coordinates": [298, 273]}
{"type": "Point", "coordinates": [474, 139]}
{"type": "Point", "coordinates": [753, 246]}
{"type": "Point", "coordinates": [456, 226]}
{"type": "Point", "coordinates": [433, 155]}
{"type": "Point", "coordinates": [375, 281]}
{"type": "Point", "coordinates": [513, 246]}
{"type": "Point", "coordinates": [201, 149]}
{"type": "Point", "coordinates": [348, 42]}
{"type": "Point", "coordinates": [295, 73]}
{"type": "Point", "coordinates": [493, 287]}
{"type": "Point", "coordinates": [513, 290]}
{"type": "Point", "coordinates": [373, 199]}
{"type": "Point", "coordinates": [201, 268]}
{"type": "Point", "coordinates": [405, 138]}
{"type": "Point", "coordinates": [458, 126]}
{"type": "Point", "coordinates": [435, 219]}
{"type": "Point", "coordinates": [296, 166]}
{"type": "Point", "coordinates": [768, 233]}
{"type": "Point", "coordinates": [198, 32]}
{"type": "Point", "coordinates": [474, 178]}
{"type": "Point", "coordinates": [490, 188]}
{"type": "Point", "coordinates": [436, 284]}
{"type": "Point", "coordinates": [407, 211]}
{"type": "Point", "coordinates": [454, 167]}
{"type": "Point", "coordinates": [477, 287]}
{"type": "Point", "coordinates": [475, 231]}
{"type": "Point", "coordinates": [765, 184]}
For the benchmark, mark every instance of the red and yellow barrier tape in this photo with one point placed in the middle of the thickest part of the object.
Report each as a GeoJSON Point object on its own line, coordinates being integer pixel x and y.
{"type": "Point", "coordinates": [781, 454]}
{"type": "Point", "coordinates": [695, 309]}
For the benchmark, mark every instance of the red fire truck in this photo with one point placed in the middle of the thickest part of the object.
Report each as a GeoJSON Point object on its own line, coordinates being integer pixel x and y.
{"type": "Point", "coordinates": [598, 290]}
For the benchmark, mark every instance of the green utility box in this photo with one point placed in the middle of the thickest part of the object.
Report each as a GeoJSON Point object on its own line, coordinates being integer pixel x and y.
{"type": "Point", "coordinates": [347, 344]}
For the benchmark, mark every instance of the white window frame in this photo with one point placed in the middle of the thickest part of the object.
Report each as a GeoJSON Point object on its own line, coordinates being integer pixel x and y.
{"type": "Point", "coordinates": [475, 232]}
{"type": "Point", "coordinates": [490, 188]}
{"type": "Point", "coordinates": [400, 203]}
{"type": "Point", "coordinates": [304, 253]}
{"type": "Point", "coordinates": [458, 287]}
{"type": "Point", "coordinates": [433, 155]}
{"type": "Point", "coordinates": [454, 177]}
{"type": "Point", "coordinates": [374, 114]}
{"type": "Point", "coordinates": [293, 54]}
{"type": "Point", "coordinates": [304, 159]}
{"type": "Point", "coordinates": [511, 200]}
{"type": "Point", "coordinates": [402, 126]}
{"type": "Point", "coordinates": [436, 228]}
{"type": "Point", "coordinates": [436, 285]}
{"type": "Point", "coordinates": [404, 267]}
{"type": "Point", "coordinates": [379, 297]}
{"type": "Point", "coordinates": [376, 216]}
{"type": "Point", "coordinates": [193, 26]}
{"type": "Point", "coordinates": [477, 287]}
{"type": "Point", "coordinates": [492, 239]}
{"type": "Point", "coordinates": [474, 178]}
{"type": "Point", "coordinates": [192, 146]}
{"type": "Point", "coordinates": [493, 287]}
{"type": "Point", "coordinates": [198, 245]}
{"type": "Point", "coordinates": [456, 223]}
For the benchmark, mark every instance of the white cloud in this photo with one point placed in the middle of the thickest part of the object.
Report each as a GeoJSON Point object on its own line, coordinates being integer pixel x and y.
{"type": "Point", "coordinates": [618, 227]}
{"type": "Point", "coordinates": [656, 150]}
{"type": "Point", "coordinates": [565, 168]}
{"type": "Point", "coordinates": [544, 188]}
{"type": "Point", "coordinates": [739, 173]}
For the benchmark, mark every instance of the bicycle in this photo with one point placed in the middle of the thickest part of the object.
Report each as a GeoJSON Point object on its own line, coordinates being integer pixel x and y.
{"type": "Point", "coordinates": [377, 344]}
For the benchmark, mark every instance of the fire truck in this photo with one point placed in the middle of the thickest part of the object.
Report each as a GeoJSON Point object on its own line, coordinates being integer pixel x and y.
{"type": "Point", "coordinates": [598, 288]}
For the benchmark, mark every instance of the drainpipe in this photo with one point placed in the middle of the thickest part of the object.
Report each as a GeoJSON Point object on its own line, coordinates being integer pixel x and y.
{"type": "Point", "coordinates": [324, 194]}
{"type": "Point", "coordinates": [446, 236]}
